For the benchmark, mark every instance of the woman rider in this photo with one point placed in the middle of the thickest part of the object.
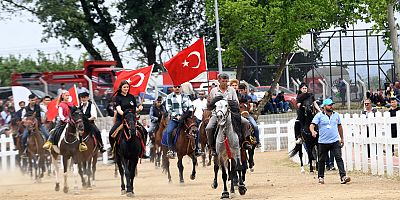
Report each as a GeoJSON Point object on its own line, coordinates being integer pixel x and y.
{"type": "Point", "coordinates": [303, 95]}
{"type": "Point", "coordinates": [123, 101]}
{"type": "Point", "coordinates": [64, 111]}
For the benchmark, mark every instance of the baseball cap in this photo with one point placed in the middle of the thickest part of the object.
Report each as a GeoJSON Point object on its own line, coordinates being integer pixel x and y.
{"type": "Point", "coordinates": [327, 102]}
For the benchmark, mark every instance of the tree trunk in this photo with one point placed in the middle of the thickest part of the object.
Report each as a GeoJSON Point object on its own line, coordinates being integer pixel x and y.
{"type": "Point", "coordinates": [277, 77]}
{"type": "Point", "coordinates": [151, 53]}
{"type": "Point", "coordinates": [90, 49]}
{"type": "Point", "coordinates": [394, 40]}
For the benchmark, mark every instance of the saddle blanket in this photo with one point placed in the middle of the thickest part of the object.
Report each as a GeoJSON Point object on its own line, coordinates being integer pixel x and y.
{"type": "Point", "coordinates": [165, 138]}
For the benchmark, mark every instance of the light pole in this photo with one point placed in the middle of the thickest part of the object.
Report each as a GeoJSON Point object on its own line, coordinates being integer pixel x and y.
{"type": "Point", "coordinates": [218, 37]}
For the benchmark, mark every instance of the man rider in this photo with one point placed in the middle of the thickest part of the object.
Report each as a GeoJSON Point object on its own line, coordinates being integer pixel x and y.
{"type": "Point", "coordinates": [32, 107]}
{"type": "Point", "coordinates": [228, 93]}
{"type": "Point", "coordinates": [244, 97]}
{"type": "Point", "coordinates": [177, 104]}
{"type": "Point", "coordinates": [156, 112]}
{"type": "Point", "coordinates": [89, 111]}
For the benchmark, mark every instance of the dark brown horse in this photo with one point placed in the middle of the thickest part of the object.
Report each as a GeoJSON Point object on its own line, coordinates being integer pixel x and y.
{"type": "Point", "coordinates": [185, 145]}
{"type": "Point", "coordinates": [17, 128]}
{"type": "Point", "coordinates": [203, 137]}
{"type": "Point", "coordinates": [69, 149]}
{"type": "Point", "coordinates": [35, 152]}
{"type": "Point", "coordinates": [87, 159]}
{"type": "Point", "coordinates": [157, 138]}
{"type": "Point", "coordinates": [248, 157]}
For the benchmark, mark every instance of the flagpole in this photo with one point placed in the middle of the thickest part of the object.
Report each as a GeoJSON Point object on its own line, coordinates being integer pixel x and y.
{"type": "Point", "coordinates": [205, 58]}
{"type": "Point", "coordinates": [218, 37]}
{"type": "Point", "coordinates": [142, 99]}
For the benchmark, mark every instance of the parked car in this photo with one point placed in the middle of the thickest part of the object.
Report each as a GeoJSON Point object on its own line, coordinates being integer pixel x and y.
{"type": "Point", "coordinates": [289, 95]}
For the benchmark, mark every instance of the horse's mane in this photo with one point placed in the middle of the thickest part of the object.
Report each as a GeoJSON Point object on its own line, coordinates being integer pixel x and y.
{"type": "Point", "coordinates": [235, 115]}
{"type": "Point", "coordinates": [211, 104]}
{"type": "Point", "coordinates": [184, 117]}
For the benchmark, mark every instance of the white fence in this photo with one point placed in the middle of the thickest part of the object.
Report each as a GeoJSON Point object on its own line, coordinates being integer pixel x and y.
{"type": "Point", "coordinates": [7, 152]}
{"type": "Point", "coordinates": [273, 136]}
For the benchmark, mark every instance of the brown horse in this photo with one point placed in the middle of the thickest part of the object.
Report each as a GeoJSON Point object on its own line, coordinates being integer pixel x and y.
{"type": "Point", "coordinates": [69, 149]}
{"type": "Point", "coordinates": [157, 138]}
{"type": "Point", "coordinates": [35, 141]}
{"type": "Point", "coordinates": [17, 128]}
{"type": "Point", "coordinates": [185, 145]}
{"type": "Point", "coordinates": [203, 137]}
{"type": "Point", "coordinates": [87, 160]}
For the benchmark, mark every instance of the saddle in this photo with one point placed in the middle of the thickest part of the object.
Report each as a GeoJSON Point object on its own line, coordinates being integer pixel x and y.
{"type": "Point", "coordinates": [117, 131]}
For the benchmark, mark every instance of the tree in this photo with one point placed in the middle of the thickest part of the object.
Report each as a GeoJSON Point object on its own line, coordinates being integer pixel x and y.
{"type": "Point", "coordinates": [275, 27]}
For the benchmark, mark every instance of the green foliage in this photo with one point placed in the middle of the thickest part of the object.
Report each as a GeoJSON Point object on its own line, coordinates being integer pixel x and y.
{"type": "Point", "coordinates": [17, 64]}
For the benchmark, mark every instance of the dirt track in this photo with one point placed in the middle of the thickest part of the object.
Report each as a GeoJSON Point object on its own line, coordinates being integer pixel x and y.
{"type": "Point", "coordinates": [275, 177]}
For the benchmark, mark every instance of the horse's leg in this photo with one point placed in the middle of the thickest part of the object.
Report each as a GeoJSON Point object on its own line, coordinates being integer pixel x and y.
{"type": "Point", "coordinates": [30, 169]}
{"type": "Point", "coordinates": [65, 166]}
{"type": "Point", "coordinates": [239, 168]}
{"type": "Point", "coordinates": [234, 175]}
{"type": "Point", "coordinates": [216, 168]}
{"type": "Point", "coordinates": [75, 175]}
{"type": "Point", "coordinates": [80, 171]}
{"type": "Point", "coordinates": [225, 193]}
{"type": "Point", "coordinates": [180, 167]}
{"type": "Point", "coordinates": [128, 172]}
{"type": "Point", "coordinates": [301, 160]}
{"type": "Point", "coordinates": [56, 172]}
{"type": "Point", "coordinates": [209, 157]}
{"type": "Point", "coordinates": [116, 169]}
{"type": "Point", "coordinates": [251, 159]}
{"type": "Point", "coordinates": [121, 173]}
{"type": "Point", "coordinates": [310, 158]}
{"type": "Point", "coordinates": [94, 162]}
{"type": "Point", "coordinates": [194, 161]}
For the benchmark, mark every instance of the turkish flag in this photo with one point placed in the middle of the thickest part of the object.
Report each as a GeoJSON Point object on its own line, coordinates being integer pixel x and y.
{"type": "Point", "coordinates": [52, 107]}
{"type": "Point", "coordinates": [137, 79]}
{"type": "Point", "coordinates": [188, 63]}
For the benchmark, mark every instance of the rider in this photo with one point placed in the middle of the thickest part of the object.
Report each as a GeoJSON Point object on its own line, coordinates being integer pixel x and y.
{"type": "Point", "coordinates": [64, 113]}
{"type": "Point", "coordinates": [32, 107]}
{"type": "Point", "coordinates": [123, 101]}
{"type": "Point", "coordinates": [177, 104]}
{"type": "Point", "coordinates": [156, 112]}
{"type": "Point", "coordinates": [228, 93]}
{"type": "Point", "coordinates": [244, 97]}
{"type": "Point", "coordinates": [303, 95]}
{"type": "Point", "coordinates": [89, 111]}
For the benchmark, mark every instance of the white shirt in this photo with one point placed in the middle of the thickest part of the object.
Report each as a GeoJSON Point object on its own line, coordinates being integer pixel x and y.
{"type": "Point", "coordinates": [81, 90]}
{"type": "Point", "coordinates": [93, 112]}
{"type": "Point", "coordinates": [199, 106]}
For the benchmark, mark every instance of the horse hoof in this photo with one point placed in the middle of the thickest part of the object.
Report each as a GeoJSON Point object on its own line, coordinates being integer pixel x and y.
{"type": "Point", "coordinates": [65, 189]}
{"type": "Point", "coordinates": [214, 185]}
{"type": "Point", "coordinates": [209, 164]}
{"type": "Point", "coordinates": [242, 190]}
{"type": "Point", "coordinates": [192, 177]}
{"type": "Point", "coordinates": [302, 170]}
{"type": "Point", "coordinates": [225, 195]}
{"type": "Point", "coordinates": [130, 194]}
{"type": "Point", "coordinates": [251, 169]}
{"type": "Point", "coordinates": [312, 173]}
{"type": "Point", "coordinates": [181, 181]}
{"type": "Point", "coordinates": [123, 192]}
{"type": "Point", "coordinates": [57, 188]}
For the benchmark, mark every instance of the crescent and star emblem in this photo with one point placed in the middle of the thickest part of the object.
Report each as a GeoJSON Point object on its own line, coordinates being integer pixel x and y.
{"type": "Point", "coordinates": [140, 81]}
{"type": "Point", "coordinates": [196, 53]}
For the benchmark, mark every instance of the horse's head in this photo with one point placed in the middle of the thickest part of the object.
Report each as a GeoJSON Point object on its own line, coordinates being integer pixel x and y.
{"type": "Point", "coordinates": [77, 120]}
{"type": "Point", "coordinates": [130, 120]}
{"type": "Point", "coordinates": [31, 122]}
{"type": "Point", "coordinates": [244, 109]}
{"type": "Point", "coordinates": [191, 125]}
{"type": "Point", "coordinates": [164, 120]}
{"type": "Point", "coordinates": [308, 106]}
{"type": "Point", "coordinates": [222, 111]}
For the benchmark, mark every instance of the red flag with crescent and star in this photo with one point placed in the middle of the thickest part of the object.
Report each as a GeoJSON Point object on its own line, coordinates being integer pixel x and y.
{"type": "Point", "coordinates": [52, 107]}
{"type": "Point", "coordinates": [137, 79]}
{"type": "Point", "coordinates": [187, 64]}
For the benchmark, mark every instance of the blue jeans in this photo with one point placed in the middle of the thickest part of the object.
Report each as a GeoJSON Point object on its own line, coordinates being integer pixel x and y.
{"type": "Point", "coordinates": [283, 106]}
{"type": "Point", "coordinates": [172, 124]}
{"type": "Point", "coordinates": [25, 134]}
{"type": "Point", "coordinates": [270, 107]}
{"type": "Point", "coordinates": [255, 127]}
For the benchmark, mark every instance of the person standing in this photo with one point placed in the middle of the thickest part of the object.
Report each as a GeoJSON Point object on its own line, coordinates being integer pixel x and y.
{"type": "Point", "coordinates": [330, 128]}
{"type": "Point", "coordinates": [393, 110]}
{"type": "Point", "coordinates": [80, 89]}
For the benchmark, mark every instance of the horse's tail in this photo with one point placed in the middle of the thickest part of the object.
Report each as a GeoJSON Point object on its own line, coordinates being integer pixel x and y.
{"type": "Point", "coordinates": [295, 150]}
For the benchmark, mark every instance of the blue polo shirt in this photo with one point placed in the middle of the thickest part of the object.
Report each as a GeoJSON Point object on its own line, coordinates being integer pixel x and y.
{"type": "Point", "coordinates": [328, 127]}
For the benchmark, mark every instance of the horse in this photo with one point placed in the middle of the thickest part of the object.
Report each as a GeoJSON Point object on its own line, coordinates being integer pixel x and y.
{"type": "Point", "coordinates": [310, 143]}
{"type": "Point", "coordinates": [129, 149]}
{"type": "Point", "coordinates": [228, 149]}
{"type": "Point", "coordinates": [17, 128]}
{"type": "Point", "coordinates": [158, 137]}
{"type": "Point", "coordinates": [185, 134]}
{"type": "Point", "coordinates": [87, 159]}
{"type": "Point", "coordinates": [203, 137]}
{"type": "Point", "coordinates": [35, 153]}
{"type": "Point", "coordinates": [249, 156]}
{"type": "Point", "coordinates": [69, 149]}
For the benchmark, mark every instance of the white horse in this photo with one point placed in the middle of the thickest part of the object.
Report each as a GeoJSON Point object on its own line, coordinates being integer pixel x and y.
{"type": "Point", "coordinates": [228, 149]}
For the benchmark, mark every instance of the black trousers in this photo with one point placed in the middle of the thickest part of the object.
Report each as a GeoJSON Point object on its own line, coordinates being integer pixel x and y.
{"type": "Point", "coordinates": [336, 150]}
{"type": "Point", "coordinates": [56, 134]}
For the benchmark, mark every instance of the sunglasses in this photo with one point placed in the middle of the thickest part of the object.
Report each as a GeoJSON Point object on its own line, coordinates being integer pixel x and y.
{"type": "Point", "coordinates": [178, 86]}
{"type": "Point", "coordinates": [366, 104]}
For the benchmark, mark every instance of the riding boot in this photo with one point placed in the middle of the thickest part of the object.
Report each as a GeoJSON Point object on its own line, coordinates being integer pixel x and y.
{"type": "Point", "coordinates": [100, 142]}
{"type": "Point", "coordinates": [198, 151]}
{"type": "Point", "coordinates": [211, 141]}
{"type": "Point", "coordinates": [170, 153]}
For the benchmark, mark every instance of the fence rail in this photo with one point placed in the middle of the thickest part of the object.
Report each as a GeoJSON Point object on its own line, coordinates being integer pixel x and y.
{"type": "Point", "coordinates": [7, 152]}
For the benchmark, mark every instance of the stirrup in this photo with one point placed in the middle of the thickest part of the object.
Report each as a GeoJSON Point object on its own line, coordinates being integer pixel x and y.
{"type": "Point", "coordinates": [82, 147]}
{"type": "Point", "coordinates": [47, 145]}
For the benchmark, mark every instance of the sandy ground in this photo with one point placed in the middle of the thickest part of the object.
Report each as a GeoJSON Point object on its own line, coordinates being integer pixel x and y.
{"type": "Point", "coordinates": [275, 177]}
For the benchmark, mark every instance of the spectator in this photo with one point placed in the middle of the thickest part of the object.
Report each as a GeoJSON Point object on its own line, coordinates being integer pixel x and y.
{"type": "Point", "coordinates": [281, 103]}
{"type": "Point", "coordinates": [6, 115]}
{"type": "Point", "coordinates": [341, 86]}
{"type": "Point", "coordinates": [200, 104]}
{"type": "Point", "coordinates": [393, 109]}
{"type": "Point", "coordinates": [61, 89]}
{"type": "Point", "coordinates": [367, 110]}
{"type": "Point", "coordinates": [270, 107]}
{"type": "Point", "coordinates": [396, 89]}
{"type": "Point", "coordinates": [330, 128]}
{"type": "Point", "coordinates": [253, 96]}
{"type": "Point", "coordinates": [18, 114]}
{"type": "Point", "coordinates": [80, 89]}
